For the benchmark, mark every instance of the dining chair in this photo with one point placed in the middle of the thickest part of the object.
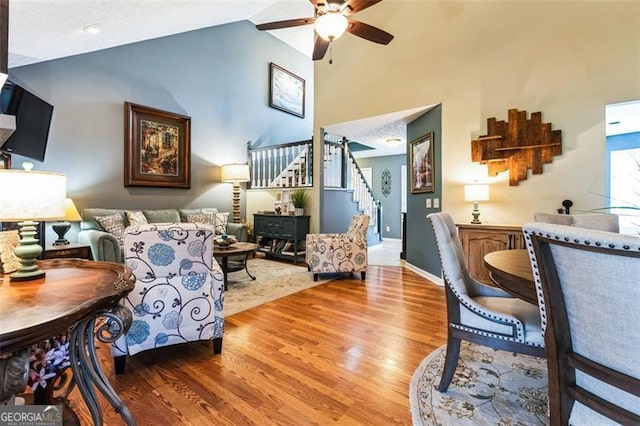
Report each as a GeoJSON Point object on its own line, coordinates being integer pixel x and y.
{"type": "Point", "coordinates": [178, 295]}
{"type": "Point", "coordinates": [476, 312]}
{"type": "Point", "coordinates": [588, 284]}
{"type": "Point", "coordinates": [601, 221]}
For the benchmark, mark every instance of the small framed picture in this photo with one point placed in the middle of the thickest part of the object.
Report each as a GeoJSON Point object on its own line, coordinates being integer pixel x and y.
{"type": "Point", "coordinates": [422, 164]}
{"type": "Point", "coordinates": [286, 91]}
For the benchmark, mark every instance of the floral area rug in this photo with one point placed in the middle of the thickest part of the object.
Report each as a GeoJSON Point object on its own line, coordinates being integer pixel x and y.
{"type": "Point", "coordinates": [490, 387]}
{"type": "Point", "coordinates": [273, 281]}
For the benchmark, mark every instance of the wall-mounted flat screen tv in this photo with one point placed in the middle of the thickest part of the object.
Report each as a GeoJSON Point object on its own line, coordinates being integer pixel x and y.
{"type": "Point", "coordinates": [33, 119]}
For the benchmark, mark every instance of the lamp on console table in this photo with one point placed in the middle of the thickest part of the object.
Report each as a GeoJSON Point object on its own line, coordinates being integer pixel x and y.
{"type": "Point", "coordinates": [236, 173]}
{"type": "Point", "coordinates": [27, 197]}
{"type": "Point", "coordinates": [475, 193]}
{"type": "Point", "coordinates": [61, 228]}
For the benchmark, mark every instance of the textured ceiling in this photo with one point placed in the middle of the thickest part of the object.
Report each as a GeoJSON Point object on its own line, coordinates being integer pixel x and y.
{"type": "Point", "coordinates": [45, 30]}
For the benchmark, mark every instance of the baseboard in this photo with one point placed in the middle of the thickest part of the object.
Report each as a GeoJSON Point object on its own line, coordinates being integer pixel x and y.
{"type": "Point", "coordinates": [424, 274]}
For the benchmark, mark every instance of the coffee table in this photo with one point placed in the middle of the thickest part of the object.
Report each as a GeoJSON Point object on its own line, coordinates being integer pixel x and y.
{"type": "Point", "coordinates": [236, 249]}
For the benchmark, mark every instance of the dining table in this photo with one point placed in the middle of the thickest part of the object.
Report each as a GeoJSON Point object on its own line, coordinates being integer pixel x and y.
{"type": "Point", "coordinates": [511, 271]}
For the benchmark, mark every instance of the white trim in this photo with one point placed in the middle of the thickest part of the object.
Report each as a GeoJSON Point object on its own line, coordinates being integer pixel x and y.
{"type": "Point", "coordinates": [424, 274]}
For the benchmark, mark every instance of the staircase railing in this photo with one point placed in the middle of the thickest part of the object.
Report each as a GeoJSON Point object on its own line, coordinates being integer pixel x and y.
{"type": "Point", "coordinates": [281, 166]}
{"type": "Point", "coordinates": [363, 194]}
{"type": "Point", "coordinates": [341, 170]}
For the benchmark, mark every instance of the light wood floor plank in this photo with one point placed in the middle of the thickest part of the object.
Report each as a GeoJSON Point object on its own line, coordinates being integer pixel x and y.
{"type": "Point", "coordinates": [341, 353]}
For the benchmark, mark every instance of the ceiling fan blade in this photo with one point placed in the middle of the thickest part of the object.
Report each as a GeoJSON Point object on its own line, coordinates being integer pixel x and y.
{"type": "Point", "coordinates": [320, 48]}
{"type": "Point", "coordinates": [285, 24]}
{"type": "Point", "coordinates": [315, 3]}
{"type": "Point", "coordinates": [355, 6]}
{"type": "Point", "coordinates": [369, 32]}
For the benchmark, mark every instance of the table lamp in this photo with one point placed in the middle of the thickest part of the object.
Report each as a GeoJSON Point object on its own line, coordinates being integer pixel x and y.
{"type": "Point", "coordinates": [236, 173]}
{"type": "Point", "coordinates": [475, 193]}
{"type": "Point", "coordinates": [61, 228]}
{"type": "Point", "coordinates": [27, 197]}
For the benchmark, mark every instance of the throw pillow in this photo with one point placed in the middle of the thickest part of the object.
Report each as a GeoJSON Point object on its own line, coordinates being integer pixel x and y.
{"type": "Point", "coordinates": [205, 218]}
{"type": "Point", "coordinates": [221, 223]}
{"type": "Point", "coordinates": [113, 224]}
{"type": "Point", "coordinates": [8, 242]}
{"type": "Point", "coordinates": [136, 217]}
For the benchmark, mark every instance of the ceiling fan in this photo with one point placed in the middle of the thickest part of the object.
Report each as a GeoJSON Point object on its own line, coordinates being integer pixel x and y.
{"type": "Point", "coordinates": [331, 21]}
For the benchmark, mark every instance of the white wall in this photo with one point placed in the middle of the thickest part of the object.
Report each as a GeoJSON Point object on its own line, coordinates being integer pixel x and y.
{"type": "Point", "coordinates": [481, 58]}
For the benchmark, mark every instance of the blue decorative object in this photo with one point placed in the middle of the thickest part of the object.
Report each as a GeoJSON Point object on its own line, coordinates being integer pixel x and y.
{"type": "Point", "coordinates": [193, 281]}
{"type": "Point", "coordinates": [138, 332]}
{"type": "Point", "coordinates": [161, 254]}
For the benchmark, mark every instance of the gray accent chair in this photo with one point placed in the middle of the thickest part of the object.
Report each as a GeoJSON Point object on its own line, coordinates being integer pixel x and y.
{"type": "Point", "coordinates": [600, 221]}
{"type": "Point", "coordinates": [479, 313]}
{"type": "Point", "coordinates": [588, 285]}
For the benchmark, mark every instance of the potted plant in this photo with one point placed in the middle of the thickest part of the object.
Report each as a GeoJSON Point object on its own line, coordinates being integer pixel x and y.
{"type": "Point", "coordinates": [299, 199]}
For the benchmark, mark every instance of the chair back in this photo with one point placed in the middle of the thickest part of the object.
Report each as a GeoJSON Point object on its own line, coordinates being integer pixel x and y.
{"type": "Point", "coordinates": [156, 251]}
{"type": "Point", "coordinates": [454, 265]}
{"type": "Point", "coordinates": [358, 228]}
{"type": "Point", "coordinates": [588, 283]}
{"type": "Point", "coordinates": [600, 221]}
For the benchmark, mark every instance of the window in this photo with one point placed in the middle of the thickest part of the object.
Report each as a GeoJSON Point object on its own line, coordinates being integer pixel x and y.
{"type": "Point", "coordinates": [623, 164]}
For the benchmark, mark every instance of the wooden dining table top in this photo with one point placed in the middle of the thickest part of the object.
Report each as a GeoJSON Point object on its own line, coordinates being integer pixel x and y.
{"type": "Point", "coordinates": [511, 271]}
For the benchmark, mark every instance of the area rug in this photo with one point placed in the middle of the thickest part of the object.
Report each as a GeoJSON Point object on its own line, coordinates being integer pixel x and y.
{"type": "Point", "coordinates": [490, 387]}
{"type": "Point", "coordinates": [273, 281]}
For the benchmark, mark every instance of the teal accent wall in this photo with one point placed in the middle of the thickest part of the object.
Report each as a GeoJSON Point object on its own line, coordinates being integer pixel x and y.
{"type": "Point", "coordinates": [218, 76]}
{"type": "Point", "coordinates": [391, 204]}
{"type": "Point", "coordinates": [421, 247]}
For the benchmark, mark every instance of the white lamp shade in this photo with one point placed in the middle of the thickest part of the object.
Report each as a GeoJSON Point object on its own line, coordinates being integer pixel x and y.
{"type": "Point", "coordinates": [29, 195]}
{"type": "Point", "coordinates": [476, 192]}
{"type": "Point", "coordinates": [331, 25]}
{"type": "Point", "coordinates": [235, 173]}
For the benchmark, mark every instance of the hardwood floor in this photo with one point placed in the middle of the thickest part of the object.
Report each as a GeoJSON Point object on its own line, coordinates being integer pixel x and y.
{"type": "Point", "coordinates": [341, 353]}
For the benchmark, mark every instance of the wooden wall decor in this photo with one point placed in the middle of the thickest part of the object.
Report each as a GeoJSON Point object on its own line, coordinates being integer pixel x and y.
{"type": "Point", "coordinates": [517, 145]}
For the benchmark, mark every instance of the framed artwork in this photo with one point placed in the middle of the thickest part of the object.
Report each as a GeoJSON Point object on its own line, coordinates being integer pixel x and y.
{"type": "Point", "coordinates": [286, 91]}
{"type": "Point", "coordinates": [5, 160]}
{"type": "Point", "coordinates": [157, 148]}
{"type": "Point", "coordinates": [422, 164]}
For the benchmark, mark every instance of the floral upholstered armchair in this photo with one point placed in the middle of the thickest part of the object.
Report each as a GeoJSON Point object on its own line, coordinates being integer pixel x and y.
{"type": "Point", "coordinates": [333, 253]}
{"type": "Point", "coordinates": [178, 295]}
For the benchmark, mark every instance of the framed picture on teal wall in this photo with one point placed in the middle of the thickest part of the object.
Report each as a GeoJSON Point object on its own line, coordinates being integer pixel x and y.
{"type": "Point", "coordinates": [422, 171]}
{"type": "Point", "coordinates": [157, 148]}
{"type": "Point", "coordinates": [286, 91]}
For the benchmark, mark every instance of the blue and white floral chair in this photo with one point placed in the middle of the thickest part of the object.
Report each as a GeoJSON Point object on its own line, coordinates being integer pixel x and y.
{"type": "Point", "coordinates": [336, 253]}
{"type": "Point", "coordinates": [178, 295]}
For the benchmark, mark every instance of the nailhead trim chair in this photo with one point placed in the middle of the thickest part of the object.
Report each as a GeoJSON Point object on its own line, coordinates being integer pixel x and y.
{"type": "Point", "coordinates": [178, 296]}
{"type": "Point", "coordinates": [477, 312]}
{"type": "Point", "coordinates": [332, 253]}
{"type": "Point", "coordinates": [600, 221]}
{"type": "Point", "coordinates": [588, 286]}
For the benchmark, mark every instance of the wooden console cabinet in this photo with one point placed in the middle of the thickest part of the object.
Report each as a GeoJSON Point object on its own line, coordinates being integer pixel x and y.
{"type": "Point", "coordinates": [280, 236]}
{"type": "Point", "coordinates": [478, 240]}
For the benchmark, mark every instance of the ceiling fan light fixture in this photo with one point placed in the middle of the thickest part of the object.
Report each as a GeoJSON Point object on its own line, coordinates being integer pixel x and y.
{"type": "Point", "coordinates": [393, 141]}
{"type": "Point", "coordinates": [331, 25]}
